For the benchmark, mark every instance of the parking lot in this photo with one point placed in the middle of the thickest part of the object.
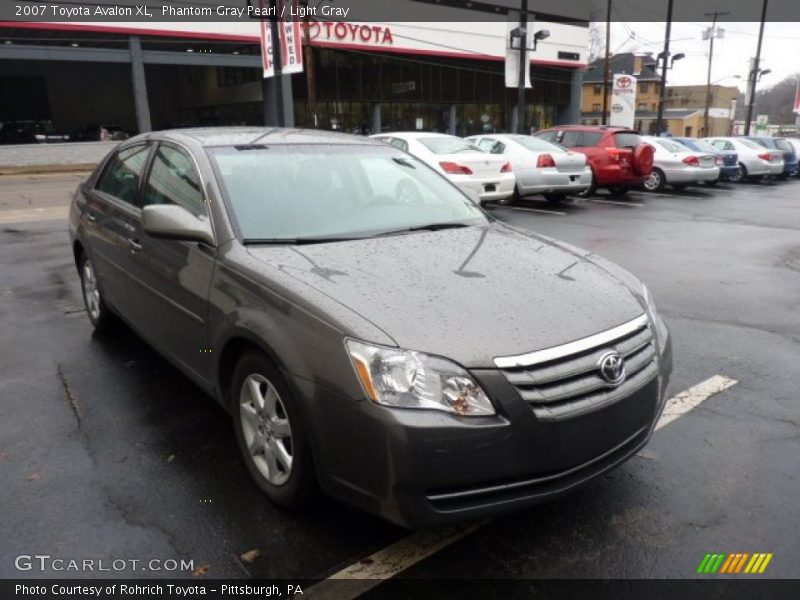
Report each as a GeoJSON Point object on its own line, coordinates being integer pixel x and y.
{"type": "Point", "coordinates": [107, 451]}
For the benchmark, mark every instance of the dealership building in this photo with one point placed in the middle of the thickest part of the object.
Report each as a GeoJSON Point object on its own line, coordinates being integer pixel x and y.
{"type": "Point", "coordinates": [359, 77]}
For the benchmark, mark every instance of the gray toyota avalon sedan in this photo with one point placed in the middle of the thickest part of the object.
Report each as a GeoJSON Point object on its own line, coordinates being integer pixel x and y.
{"type": "Point", "coordinates": [372, 331]}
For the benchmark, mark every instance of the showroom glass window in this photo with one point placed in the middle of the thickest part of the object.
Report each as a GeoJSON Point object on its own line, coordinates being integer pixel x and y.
{"type": "Point", "coordinates": [174, 180]}
{"type": "Point", "coordinates": [123, 174]}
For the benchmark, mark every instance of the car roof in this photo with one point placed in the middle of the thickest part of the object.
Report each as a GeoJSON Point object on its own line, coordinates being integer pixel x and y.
{"type": "Point", "coordinates": [244, 136]}
{"type": "Point", "coordinates": [611, 128]}
{"type": "Point", "coordinates": [413, 134]}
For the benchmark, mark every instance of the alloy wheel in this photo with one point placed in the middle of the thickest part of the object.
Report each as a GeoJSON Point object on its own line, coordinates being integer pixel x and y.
{"type": "Point", "coordinates": [91, 293]}
{"type": "Point", "coordinates": [266, 428]}
{"type": "Point", "coordinates": [653, 182]}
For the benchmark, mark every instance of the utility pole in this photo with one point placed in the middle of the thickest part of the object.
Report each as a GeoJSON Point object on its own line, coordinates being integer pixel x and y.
{"type": "Point", "coordinates": [664, 57]}
{"type": "Point", "coordinates": [607, 65]}
{"type": "Point", "coordinates": [523, 65]}
{"type": "Point", "coordinates": [753, 76]}
{"type": "Point", "coordinates": [310, 78]}
{"type": "Point", "coordinates": [712, 33]}
{"type": "Point", "coordinates": [273, 86]}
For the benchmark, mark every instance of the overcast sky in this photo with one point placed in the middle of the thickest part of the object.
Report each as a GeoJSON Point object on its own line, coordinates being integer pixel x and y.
{"type": "Point", "coordinates": [780, 50]}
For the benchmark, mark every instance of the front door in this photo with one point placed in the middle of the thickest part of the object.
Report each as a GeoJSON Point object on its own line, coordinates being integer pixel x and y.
{"type": "Point", "coordinates": [171, 279]}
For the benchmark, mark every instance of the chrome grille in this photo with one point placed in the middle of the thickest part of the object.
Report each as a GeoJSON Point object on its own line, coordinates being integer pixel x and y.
{"type": "Point", "coordinates": [565, 381]}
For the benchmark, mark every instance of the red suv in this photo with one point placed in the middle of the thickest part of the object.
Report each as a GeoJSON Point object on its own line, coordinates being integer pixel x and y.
{"type": "Point", "coordinates": [618, 157]}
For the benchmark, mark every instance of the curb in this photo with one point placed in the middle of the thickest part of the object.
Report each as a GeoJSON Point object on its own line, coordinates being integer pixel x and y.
{"type": "Point", "coordinates": [41, 169]}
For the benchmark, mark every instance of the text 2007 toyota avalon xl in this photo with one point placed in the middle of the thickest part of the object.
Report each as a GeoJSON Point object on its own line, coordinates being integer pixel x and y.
{"type": "Point", "coordinates": [372, 331]}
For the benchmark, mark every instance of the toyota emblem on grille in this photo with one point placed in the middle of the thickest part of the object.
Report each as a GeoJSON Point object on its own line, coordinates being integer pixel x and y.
{"type": "Point", "coordinates": [612, 367]}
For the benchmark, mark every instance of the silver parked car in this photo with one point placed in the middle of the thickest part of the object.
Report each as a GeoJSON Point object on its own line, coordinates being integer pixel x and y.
{"type": "Point", "coordinates": [679, 166]}
{"type": "Point", "coordinates": [539, 166]}
{"type": "Point", "coordinates": [755, 161]}
{"type": "Point", "coordinates": [409, 355]}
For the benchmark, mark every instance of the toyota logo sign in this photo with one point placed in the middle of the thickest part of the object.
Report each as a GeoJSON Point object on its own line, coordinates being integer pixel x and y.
{"type": "Point", "coordinates": [624, 82]}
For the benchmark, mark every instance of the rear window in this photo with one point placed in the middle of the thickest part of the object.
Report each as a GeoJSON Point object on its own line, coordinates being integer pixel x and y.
{"type": "Point", "coordinates": [448, 145]}
{"type": "Point", "coordinates": [627, 139]}
{"type": "Point", "coordinates": [703, 146]}
{"type": "Point", "coordinates": [784, 145]}
{"type": "Point", "coordinates": [535, 144]}
{"type": "Point", "coordinates": [671, 146]}
{"type": "Point", "coordinates": [760, 142]}
{"type": "Point", "coordinates": [751, 144]}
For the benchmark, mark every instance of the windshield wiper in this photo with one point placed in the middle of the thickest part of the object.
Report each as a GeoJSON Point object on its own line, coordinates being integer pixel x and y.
{"type": "Point", "coordinates": [429, 227]}
{"type": "Point", "coordinates": [295, 241]}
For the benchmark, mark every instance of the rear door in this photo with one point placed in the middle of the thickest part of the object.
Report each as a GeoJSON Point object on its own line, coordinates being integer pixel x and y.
{"type": "Point", "coordinates": [112, 214]}
{"type": "Point", "coordinates": [171, 279]}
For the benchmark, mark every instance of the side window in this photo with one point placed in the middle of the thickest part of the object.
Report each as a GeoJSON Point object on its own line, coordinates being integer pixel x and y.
{"type": "Point", "coordinates": [402, 144]}
{"type": "Point", "coordinates": [123, 174]}
{"type": "Point", "coordinates": [174, 180]}
{"type": "Point", "coordinates": [571, 139]}
{"type": "Point", "coordinates": [590, 138]}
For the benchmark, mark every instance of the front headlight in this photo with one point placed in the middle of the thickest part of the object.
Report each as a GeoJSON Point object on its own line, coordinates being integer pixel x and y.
{"type": "Point", "coordinates": [661, 328]}
{"type": "Point", "coordinates": [408, 379]}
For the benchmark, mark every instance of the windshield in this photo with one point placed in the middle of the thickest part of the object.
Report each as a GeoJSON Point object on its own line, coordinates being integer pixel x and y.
{"type": "Point", "coordinates": [536, 144]}
{"type": "Point", "coordinates": [448, 145]}
{"type": "Point", "coordinates": [305, 192]}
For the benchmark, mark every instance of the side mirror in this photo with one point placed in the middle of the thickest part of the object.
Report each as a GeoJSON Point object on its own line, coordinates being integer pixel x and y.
{"type": "Point", "coordinates": [173, 222]}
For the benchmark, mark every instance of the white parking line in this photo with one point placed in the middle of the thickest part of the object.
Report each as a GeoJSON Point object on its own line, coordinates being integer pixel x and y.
{"type": "Point", "coordinates": [369, 572]}
{"type": "Point", "coordinates": [681, 404]}
{"type": "Point", "coordinates": [538, 210]}
{"type": "Point", "coordinates": [618, 203]}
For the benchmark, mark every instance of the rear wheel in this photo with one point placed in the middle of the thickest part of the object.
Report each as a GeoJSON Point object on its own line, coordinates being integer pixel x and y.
{"type": "Point", "coordinates": [270, 433]}
{"type": "Point", "coordinates": [619, 190]}
{"type": "Point", "coordinates": [98, 312]}
{"type": "Point", "coordinates": [591, 190]}
{"type": "Point", "coordinates": [553, 198]}
{"type": "Point", "coordinates": [656, 181]}
{"type": "Point", "coordinates": [739, 175]}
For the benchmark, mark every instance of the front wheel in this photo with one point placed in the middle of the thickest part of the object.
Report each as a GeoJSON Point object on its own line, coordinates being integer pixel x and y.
{"type": "Point", "coordinates": [270, 433]}
{"type": "Point", "coordinates": [554, 198]}
{"type": "Point", "coordinates": [96, 309]}
{"type": "Point", "coordinates": [591, 190]}
{"type": "Point", "coordinates": [619, 190]}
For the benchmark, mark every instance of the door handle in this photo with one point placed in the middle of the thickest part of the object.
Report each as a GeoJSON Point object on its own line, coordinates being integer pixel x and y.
{"type": "Point", "coordinates": [134, 244]}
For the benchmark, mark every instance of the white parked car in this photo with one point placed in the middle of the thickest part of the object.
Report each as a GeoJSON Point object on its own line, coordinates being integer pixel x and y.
{"type": "Point", "coordinates": [678, 166]}
{"type": "Point", "coordinates": [539, 166]}
{"type": "Point", "coordinates": [754, 160]}
{"type": "Point", "coordinates": [489, 177]}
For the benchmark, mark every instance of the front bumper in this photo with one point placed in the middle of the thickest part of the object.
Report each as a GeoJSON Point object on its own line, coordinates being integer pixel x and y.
{"type": "Point", "coordinates": [423, 468]}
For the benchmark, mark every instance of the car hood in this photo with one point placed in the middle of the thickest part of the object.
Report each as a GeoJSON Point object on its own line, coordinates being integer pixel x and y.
{"type": "Point", "coordinates": [467, 294]}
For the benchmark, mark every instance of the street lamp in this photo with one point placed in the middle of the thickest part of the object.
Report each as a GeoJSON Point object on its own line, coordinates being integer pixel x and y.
{"type": "Point", "coordinates": [663, 58]}
{"type": "Point", "coordinates": [540, 35]}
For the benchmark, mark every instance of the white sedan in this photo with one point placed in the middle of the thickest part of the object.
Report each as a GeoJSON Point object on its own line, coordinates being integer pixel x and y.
{"type": "Point", "coordinates": [755, 161]}
{"type": "Point", "coordinates": [679, 166]}
{"type": "Point", "coordinates": [539, 166]}
{"type": "Point", "coordinates": [488, 177]}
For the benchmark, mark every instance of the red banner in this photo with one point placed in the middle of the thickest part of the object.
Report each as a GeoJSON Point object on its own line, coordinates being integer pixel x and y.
{"type": "Point", "coordinates": [797, 99]}
{"type": "Point", "coordinates": [290, 39]}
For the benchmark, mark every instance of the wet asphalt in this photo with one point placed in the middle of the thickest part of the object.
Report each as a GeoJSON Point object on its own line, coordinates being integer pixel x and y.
{"type": "Point", "coordinates": [107, 451]}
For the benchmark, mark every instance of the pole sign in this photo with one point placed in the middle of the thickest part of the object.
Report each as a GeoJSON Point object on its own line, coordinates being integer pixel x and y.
{"type": "Point", "coordinates": [290, 40]}
{"type": "Point", "coordinates": [623, 101]}
{"type": "Point", "coordinates": [797, 99]}
{"type": "Point", "coordinates": [512, 51]}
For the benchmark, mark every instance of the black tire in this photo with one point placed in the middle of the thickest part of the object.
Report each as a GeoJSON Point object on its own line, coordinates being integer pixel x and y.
{"type": "Point", "coordinates": [618, 190]}
{"type": "Point", "coordinates": [740, 175]}
{"type": "Point", "coordinates": [656, 181]}
{"type": "Point", "coordinates": [782, 176]}
{"type": "Point", "coordinates": [97, 310]}
{"type": "Point", "coordinates": [554, 198]}
{"type": "Point", "coordinates": [591, 190]}
{"type": "Point", "coordinates": [300, 487]}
